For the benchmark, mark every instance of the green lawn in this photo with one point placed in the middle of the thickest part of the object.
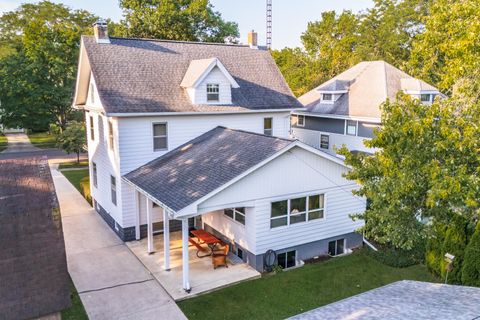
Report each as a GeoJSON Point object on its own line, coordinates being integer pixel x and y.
{"type": "Point", "coordinates": [76, 311]}
{"type": "Point", "coordinates": [3, 142]}
{"type": "Point", "coordinates": [69, 165]}
{"type": "Point", "coordinates": [298, 290]}
{"type": "Point", "coordinates": [42, 140]}
{"type": "Point", "coordinates": [75, 176]}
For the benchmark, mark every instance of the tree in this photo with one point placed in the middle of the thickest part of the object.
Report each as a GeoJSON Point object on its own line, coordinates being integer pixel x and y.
{"type": "Point", "coordinates": [427, 167]}
{"type": "Point", "coordinates": [190, 20]}
{"type": "Point", "coordinates": [37, 76]}
{"type": "Point", "coordinates": [72, 139]}
{"type": "Point", "coordinates": [471, 264]}
{"type": "Point", "coordinates": [449, 47]}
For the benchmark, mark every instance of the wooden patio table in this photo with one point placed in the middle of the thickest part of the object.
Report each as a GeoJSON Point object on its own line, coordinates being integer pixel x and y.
{"type": "Point", "coordinates": [206, 237]}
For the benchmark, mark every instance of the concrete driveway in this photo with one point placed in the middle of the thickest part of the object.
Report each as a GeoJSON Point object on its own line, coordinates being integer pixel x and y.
{"type": "Point", "coordinates": [19, 142]}
{"type": "Point", "coordinates": [111, 281]}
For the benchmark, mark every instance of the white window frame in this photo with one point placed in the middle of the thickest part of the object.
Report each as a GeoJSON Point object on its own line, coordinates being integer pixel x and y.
{"type": "Point", "coordinates": [328, 100]}
{"type": "Point", "coordinates": [300, 116]}
{"type": "Point", "coordinates": [92, 127]}
{"type": "Point", "coordinates": [328, 144]}
{"type": "Point", "coordinates": [347, 126]}
{"type": "Point", "coordinates": [344, 247]}
{"type": "Point", "coordinates": [268, 132]}
{"type": "Point", "coordinates": [286, 253]}
{"type": "Point", "coordinates": [235, 212]}
{"type": "Point", "coordinates": [111, 138]}
{"type": "Point", "coordinates": [213, 86]}
{"type": "Point", "coordinates": [113, 189]}
{"type": "Point", "coordinates": [162, 136]}
{"type": "Point", "coordinates": [429, 97]}
{"type": "Point", "coordinates": [94, 174]}
{"type": "Point", "coordinates": [306, 212]}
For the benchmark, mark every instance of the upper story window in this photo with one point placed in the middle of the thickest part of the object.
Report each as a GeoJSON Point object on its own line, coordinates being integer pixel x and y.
{"type": "Point", "coordinates": [160, 136]}
{"type": "Point", "coordinates": [287, 212]}
{"type": "Point", "coordinates": [426, 98]}
{"type": "Point", "coordinates": [351, 128]}
{"type": "Point", "coordinates": [300, 120]}
{"type": "Point", "coordinates": [267, 126]}
{"type": "Point", "coordinates": [237, 214]}
{"type": "Point", "coordinates": [324, 141]}
{"type": "Point", "coordinates": [213, 92]}
{"type": "Point", "coordinates": [92, 128]}
{"type": "Point", "coordinates": [110, 135]}
{"type": "Point", "coordinates": [92, 93]}
{"type": "Point", "coordinates": [113, 189]}
{"type": "Point", "coordinates": [327, 97]}
{"type": "Point", "coordinates": [94, 174]}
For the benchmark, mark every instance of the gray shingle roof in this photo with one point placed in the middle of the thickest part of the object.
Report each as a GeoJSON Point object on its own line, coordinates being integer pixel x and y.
{"type": "Point", "coordinates": [33, 270]}
{"type": "Point", "coordinates": [370, 84]}
{"type": "Point", "coordinates": [193, 170]}
{"type": "Point", "coordinates": [137, 75]}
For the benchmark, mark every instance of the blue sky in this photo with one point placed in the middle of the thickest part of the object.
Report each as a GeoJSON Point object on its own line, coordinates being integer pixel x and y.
{"type": "Point", "coordinates": [290, 17]}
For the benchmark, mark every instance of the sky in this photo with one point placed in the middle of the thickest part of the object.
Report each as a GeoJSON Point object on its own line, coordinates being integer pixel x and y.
{"type": "Point", "coordinates": [290, 17]}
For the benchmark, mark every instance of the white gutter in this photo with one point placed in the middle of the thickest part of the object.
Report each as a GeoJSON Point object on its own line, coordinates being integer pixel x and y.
{"type": "Point", "coordinates": [335, 116]}
{"type": "Point", "coordinates": [153, 114]}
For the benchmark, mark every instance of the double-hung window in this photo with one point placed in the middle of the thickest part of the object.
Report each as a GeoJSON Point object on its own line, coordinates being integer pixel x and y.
{"type": "Point", "coordinates": [113, 189]}
{"type": "Point", "coordinates": [94, 174]}
{"type": "Point", "coordinates": [110, 135]}
{"type": "Point", "coordinates": [237, 214]}
{"type": "Point", "coordinates": [267, 126]}
{"type": "Point", "coordinates": [292, 211]}
{"type": "Point", "coordinates": [160, 136]}
{"type": "Point", "coordinates": [213, 92]}
{"type": "Point", "coordinates": [300, 120]}
{"type": "Point", "coordinates": [324, 141]}
{"type": "Point", "coordinates": [351, 128]}
{"type": "Point", "coordinates": [92, 128]}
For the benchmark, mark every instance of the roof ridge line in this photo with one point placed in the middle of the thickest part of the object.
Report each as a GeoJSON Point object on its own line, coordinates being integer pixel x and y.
{"type": "Point", "coordinates": [257, 134]}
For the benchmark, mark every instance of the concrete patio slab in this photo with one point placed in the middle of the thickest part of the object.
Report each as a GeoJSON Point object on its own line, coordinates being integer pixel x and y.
{"type": "Point", "coordinates": [111, 281]}
{"type": "Point", "coordinates": [203, 278]}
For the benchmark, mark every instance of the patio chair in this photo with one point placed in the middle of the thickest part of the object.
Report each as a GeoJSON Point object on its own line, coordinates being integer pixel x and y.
{"type": "Point", "coordinates": [219, 257]}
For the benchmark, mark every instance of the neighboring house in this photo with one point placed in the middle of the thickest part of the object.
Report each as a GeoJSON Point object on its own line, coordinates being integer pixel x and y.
{"type": "Point", "coordinates": [197, 134]}
{"type": "Point", "coordinates": [34, 281]}
{"type": "Point", "coordinates": [346, 109]}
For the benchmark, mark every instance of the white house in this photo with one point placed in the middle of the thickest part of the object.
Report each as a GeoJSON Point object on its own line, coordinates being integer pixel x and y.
{"type": "Point", "coordinates": [197, 134]}
{"type": "Point", "coordinates": [345, 110]}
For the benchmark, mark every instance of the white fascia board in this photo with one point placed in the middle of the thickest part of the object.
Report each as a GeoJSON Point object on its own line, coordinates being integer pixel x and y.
{"type": "Point", "coordinates": [187, 211]}
{"type": "Point", "coordinates": [80, 86]}
{"type": "Point", "coordinates": [332, 91]}
{"type": "Point", "coordinates": [216, 63]}
{"type": "Point", "coordinates": [156, 114]}
{"type": "Point", "coordinates": [422, 91]}
{"type": "Point", "coordinates": [335, 116]}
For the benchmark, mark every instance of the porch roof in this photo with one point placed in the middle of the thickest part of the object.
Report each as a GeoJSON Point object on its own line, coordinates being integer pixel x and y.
{"type": "Point", "coordinates": [204, 164]}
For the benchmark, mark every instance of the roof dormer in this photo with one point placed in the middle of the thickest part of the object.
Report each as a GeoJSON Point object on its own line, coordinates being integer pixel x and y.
{"type": "Point", "coordinates": [331, 92]}
{"type": "Point", "coordinates": [419, 90]}
{"type": "Point", "coordinates": [207, 81]}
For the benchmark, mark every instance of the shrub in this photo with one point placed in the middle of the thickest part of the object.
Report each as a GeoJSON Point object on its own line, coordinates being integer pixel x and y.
{"type": "Point", "coordinates": [471, 263]}
{"type": "Point", "coordinates": [398, 258]}
{"type": "Point", "coordinates": [434, 251]}
{"type": "Point", "coordinates": [85, 189]}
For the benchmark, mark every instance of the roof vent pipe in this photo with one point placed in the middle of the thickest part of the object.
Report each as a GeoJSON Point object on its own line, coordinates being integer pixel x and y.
{"type": "Point", "coordinates": [100, 30]}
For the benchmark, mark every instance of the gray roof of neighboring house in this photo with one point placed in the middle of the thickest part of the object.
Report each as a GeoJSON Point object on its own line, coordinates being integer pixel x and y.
{"type": "Point", "coordinates": [140, 75]}
{"type": "Point", "coordinates": [404, 300]}
{"type": "Point", "coordinates": [200, 166]}
{"type": "Point", "coordinates": [34, 281]}
{"type": "Point", "coordinates": [369, 84]}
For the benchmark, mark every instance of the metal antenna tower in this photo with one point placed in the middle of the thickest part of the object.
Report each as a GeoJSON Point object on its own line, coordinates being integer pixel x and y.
{"type": "Point", "coordinates": [269, 24]}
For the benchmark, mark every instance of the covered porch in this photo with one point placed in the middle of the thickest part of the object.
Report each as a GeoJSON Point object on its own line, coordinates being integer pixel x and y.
{"type": "Point", "coordinates": [202, 276]}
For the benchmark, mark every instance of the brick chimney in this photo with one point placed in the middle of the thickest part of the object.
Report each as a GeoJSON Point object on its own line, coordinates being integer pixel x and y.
{"type": "Point", "coordinates": [253, 39]}
{"type": "Point", "coordinates": [100, 30]}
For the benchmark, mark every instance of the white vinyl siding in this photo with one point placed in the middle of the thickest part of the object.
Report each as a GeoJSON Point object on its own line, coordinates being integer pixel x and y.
{"type": "Point", "coordinates": [199, 95]}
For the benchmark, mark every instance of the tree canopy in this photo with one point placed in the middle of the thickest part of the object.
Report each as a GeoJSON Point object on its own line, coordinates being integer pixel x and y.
{"type": "Point", "coordinates": [37, 75]}
{"type": "Point", "coordinates": [190, 20]}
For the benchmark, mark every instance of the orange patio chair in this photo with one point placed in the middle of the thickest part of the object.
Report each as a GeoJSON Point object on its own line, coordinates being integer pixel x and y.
{"type": "Point", "coordinates": [219, 257]}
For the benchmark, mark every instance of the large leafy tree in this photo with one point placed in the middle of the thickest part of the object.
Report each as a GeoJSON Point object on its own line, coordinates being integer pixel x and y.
{"type": "Point", "coordinates": [38, 73]}
{"type": "Point", "coordinates": [191, 20]}
{"type": "Point", "coordinates": [427, 167]}
{"type": "Point", "coordinates": [73, 138]}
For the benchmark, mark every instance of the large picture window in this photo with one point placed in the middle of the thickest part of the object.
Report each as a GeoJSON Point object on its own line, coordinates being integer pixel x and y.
{"type": "Point", "coordinates": [213, 92]}
{"type": "Point", "coordinates": [287, 259]}
{"type": "Point", "coordinates": [237, 214]}
{"type": "Point", "coordinates": [292, 211]}
{"type": "Point", "coordinates": [160, 136]}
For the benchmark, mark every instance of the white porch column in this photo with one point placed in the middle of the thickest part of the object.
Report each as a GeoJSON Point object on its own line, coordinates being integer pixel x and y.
{"type": "Point", "coordinates": [185, 266]}
{"type": "Point", "coordinates": [150, 247]}
{"type": "Point", "coordinates": [137, 215]}
{"type": "Point", "coordinates": [166, 240]}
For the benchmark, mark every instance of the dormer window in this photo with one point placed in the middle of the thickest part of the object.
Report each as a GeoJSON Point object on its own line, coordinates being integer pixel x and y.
{"type": "Point", "coordinates": [213, 92]}
{"type": "Point", "coordinates": [327, 97]}
{"type": "Point", "coordinates": [426, 98]}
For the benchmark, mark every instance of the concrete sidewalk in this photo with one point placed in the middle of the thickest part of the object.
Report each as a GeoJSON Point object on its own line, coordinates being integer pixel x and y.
{"type": "Point", "coordinates": [111, 281]}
